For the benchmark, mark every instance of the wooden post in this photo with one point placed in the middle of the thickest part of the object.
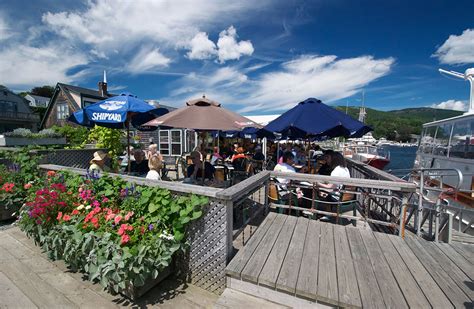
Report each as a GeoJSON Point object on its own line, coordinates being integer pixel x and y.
{"type": "Point", "coordinates": [419, 213]}
{"type": "Point", "coordinates": [403, 213]}
{"type": "Point", "coordinates": [437, 214]}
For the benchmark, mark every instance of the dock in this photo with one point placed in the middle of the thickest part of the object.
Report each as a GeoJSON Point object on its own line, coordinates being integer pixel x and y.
{"type": "Point", "coordinates": [295, 261]}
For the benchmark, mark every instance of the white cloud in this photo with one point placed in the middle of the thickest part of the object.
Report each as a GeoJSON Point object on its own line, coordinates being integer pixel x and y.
{"type": "Point", "coordinates": [148, 60]}
{"type": "Point", "coordinates": [4, 29]}
{"type": "Point", "coordinates": [201, 47]}
{"type": "Point", "coordinates": [457, 49]}
{"type": "Point", "coordinates": [324, 77]}
{"type": "Point", "coordinates": [229, 48]}
{"type": "Point", "coordinates": [451, 104]}
{"type": "Point", "coordinates": [24, 65]}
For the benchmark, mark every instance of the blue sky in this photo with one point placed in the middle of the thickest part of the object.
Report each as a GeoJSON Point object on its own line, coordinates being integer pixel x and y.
{"type": "Point", "coordinates": [255, 57]}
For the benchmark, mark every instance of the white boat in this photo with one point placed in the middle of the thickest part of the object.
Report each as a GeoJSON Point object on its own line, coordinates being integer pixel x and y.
{"type": "Point", "coordinates": [367, 154]}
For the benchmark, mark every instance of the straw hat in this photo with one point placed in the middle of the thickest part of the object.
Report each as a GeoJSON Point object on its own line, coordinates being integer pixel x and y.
{"type": "Point", "coordinates": [99, 156]}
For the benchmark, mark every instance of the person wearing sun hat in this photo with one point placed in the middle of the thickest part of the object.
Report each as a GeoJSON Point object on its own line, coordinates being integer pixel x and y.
{"type": "Point", "coordinates": [98, 162]}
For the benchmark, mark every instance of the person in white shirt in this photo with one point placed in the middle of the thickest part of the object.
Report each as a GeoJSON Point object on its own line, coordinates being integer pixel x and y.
{"type": "Point", "coordinates": [154, 164]}
{"type": "Point", "coordinates": [339, 169]}
{"type": "Point", "coordinates": [285, 166]}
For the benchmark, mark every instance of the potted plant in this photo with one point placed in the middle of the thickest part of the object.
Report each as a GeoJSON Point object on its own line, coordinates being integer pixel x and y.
{"type": "Point", "coordinates": [24, 137]}
{"type": "Point", "coordinates": [121, 235]}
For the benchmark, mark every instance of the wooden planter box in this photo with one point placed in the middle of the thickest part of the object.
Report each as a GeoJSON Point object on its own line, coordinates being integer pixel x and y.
{"type": "Point", "coordinates": [7, 213]}
{"type": "Point", "coordinates": [135, 293]}
{"type": "Point", "coordinates": [25, 141]}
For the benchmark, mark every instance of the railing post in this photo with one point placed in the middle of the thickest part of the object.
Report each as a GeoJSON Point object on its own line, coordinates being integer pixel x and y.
{"type": "Point", "coordinates": [437, 214]}
{"type": "Point", "coordinates": [403, 214]}
{"type": "Point", "coordinates": [419, 213]}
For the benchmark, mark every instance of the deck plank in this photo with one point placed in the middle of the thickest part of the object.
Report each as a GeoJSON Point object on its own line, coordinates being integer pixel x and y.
{"type": "Point", "coordinates": [458, 276]}
{"type": "Point", "coordinates": [238, 263]}
{"type": "Point", "coordinates": [12, 296]}
{"type": "Point", "coordinates": [464, 250]}
{"type": "Point", "coordinates": [432, 291]}
{"type": "Point", "coordinates": [269, 274]}
{"type": "Point", "coordinates": [307, 284]}
{"type": "Point", "coordinates": [457, 259]}
{"type": "Point", "coordinates": [410, 289]}
{"type": "Point", "coordinates": [369, 290]}
{"type": "Point", "coordinates": [256, 262]}
{"type": "Point", "coordinates": [327, 273]}
{"type": "Point", "coordinates": [392, 295]}
{"type": "Point", "coordinates": [288, 276]}
{"type": "Point", "coordinates": [444, 281]}
{"type": "Point", "coordinates": [348, 288]}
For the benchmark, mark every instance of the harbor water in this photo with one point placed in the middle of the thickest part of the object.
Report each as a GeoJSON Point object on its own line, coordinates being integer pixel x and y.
{"type": "Point", "coordinates": [401, 159]}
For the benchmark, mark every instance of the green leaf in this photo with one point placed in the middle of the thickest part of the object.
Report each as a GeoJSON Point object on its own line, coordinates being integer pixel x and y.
{"type": "Point", "coordinates": [196, 215]}
{"type": "Point", "coordinates": [152, 207]}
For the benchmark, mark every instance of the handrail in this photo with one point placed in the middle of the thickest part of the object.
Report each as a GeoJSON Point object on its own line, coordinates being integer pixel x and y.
{"type": "Point", "coordinates": [359, 182]}
{"type": "Point", "coordinates": [172, 186]}
{"type": "Point", "coordinates": [458, 172]}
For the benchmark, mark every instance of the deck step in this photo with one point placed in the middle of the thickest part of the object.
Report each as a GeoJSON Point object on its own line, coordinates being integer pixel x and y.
{"type": "Point", "coordinates": [235, 299]}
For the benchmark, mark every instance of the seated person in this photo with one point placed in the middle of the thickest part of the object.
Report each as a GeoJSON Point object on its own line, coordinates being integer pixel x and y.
{"type": "Point", "coordinates": [140, 165]}
{"type": "Point", "coordinates": [339, 169]}
{"type": "Point", "coordinates": [195, 171]}
{"type": "Point", "coordinates": [258, 154]}
{"type": "Point", "coordinates": [216, 156]}
{"type": "Point", "coordinates": [98, 162]}
{"type": "Point", "coordinates": [239, 154]}
{"type": "Point", "coordinates": [285, 166]}
{"type": "Point", "coordinates": [326, 168]}
{"type": "Point", "coordinates": [154, 164]}
{"type": "Point", "coordinates": [153, 151]}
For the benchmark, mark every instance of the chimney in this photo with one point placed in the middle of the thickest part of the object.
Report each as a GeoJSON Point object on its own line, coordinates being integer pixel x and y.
{"type": "Point", "coordinates": [103, 87]}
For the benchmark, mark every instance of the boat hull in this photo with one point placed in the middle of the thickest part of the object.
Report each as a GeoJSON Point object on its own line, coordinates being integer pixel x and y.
{"type": "Point", "coordinates": [378, 163]}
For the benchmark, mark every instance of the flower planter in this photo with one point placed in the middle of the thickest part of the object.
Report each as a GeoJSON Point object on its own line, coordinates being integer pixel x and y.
{"type": "Point", "coordinates": [135, 293]}
{"type": "Point", "coordinates": [24, 141]}
{"type": "Point", "coordinates": [6, 212]}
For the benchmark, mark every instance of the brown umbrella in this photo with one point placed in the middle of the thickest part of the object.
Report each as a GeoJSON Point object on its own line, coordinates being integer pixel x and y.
{"type": "Point", "coordinates": [203, 115]}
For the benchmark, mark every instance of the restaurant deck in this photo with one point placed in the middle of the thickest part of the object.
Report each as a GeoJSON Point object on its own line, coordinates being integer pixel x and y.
{"type": "Point", "coordinates": [293, 259]}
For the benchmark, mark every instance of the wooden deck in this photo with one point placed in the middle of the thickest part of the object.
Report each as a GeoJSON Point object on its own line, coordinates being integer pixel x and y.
{"type": "Point", "coordinates": [29, 280]}
{"type": "Point", "coordinates": [353, 267]}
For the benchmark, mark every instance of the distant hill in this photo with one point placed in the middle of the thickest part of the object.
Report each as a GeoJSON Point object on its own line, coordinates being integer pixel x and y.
{"type": "Point", "coordinates": [399, 124]}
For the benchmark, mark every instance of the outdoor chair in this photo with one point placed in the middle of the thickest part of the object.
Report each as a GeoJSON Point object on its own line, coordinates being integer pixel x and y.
{"type": "Point", "coordinates": [170, 164]}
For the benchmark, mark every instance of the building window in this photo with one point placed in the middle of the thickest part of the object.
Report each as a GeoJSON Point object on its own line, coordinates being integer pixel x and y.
{"type": "Point", "coordinates": [171, 142]}
{"type": "Point", "coordinates": [8, 106]}
{"type": "Point", "coordinates": [62, 111]}
{"type": "Point", "coordinates": [164, 142]}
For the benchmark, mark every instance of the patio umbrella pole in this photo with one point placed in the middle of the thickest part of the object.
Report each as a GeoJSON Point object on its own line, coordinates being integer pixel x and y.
{"type": "Point", "coordinates": [128, 144]}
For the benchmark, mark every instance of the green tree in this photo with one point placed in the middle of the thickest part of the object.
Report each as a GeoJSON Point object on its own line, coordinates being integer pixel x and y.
{"type": "Point", "coordinates": [43, 91]}
{"type": "Point", "coordinates": [110, 139]}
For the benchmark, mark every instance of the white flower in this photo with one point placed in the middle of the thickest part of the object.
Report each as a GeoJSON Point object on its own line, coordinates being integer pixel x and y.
{"type": "Point", "coordinates": [80, 207]}
{"type": "Point", "coordinates": [88, 207]}
{"type": "Point", "coordinates": [166, 236]}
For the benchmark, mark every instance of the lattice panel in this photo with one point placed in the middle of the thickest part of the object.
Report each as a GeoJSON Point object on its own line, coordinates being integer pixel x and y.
{"type": "Point", "coordinates": [208, 248]}
{"type": "Point", "coordinates": [79, 158]}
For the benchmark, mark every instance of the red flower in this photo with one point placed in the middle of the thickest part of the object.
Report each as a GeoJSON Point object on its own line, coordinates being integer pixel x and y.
{"type": "Point", "coordinates": [51, 173]}
{"type": "Point", "coordinates": [60, 214]}
{"type": "Point", "coordinates": [8, 187]}
{"type": "Point", "coordinates": [95, 222]}
{"type": "Point", "coordinates": [75, 212]}
{"type": "Point", "coordinates": [66, 217]}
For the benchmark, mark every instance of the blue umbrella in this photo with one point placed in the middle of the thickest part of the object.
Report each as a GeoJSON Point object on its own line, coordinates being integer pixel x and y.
{"type": "Point", "coordinates": [248, 132]}
{"type": "Point", "coordinates": [118, 112]}
{"type": "Point", "coordinates": [315, 120]}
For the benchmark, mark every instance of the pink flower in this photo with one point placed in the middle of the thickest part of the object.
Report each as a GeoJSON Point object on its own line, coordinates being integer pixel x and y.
{"type": "Point", "coordinates": [75, 212]}
{"type": "Point", "coordinates": [117, 219]}
{"type": "Point", "coordinates": [96, 203]}
{"type": "Point", "coordinates": [95, 222]}
{"type": "Point", "coordinates": [105, 200]}
{"type": "Point", "coordinates": [27, 186]}
{"type": "Point", "coordinates": [125, 239]}
{"type": "Point", "coordinates": [109, 216]}
{"type": "Point", "coordinates": [81, 189]}
{"type": "Point", "coordinates": [60, 214]}
{"type": "Point", "coordinates": [128, 215]}
{"type": "Point", "coordinates": [66, 217]}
